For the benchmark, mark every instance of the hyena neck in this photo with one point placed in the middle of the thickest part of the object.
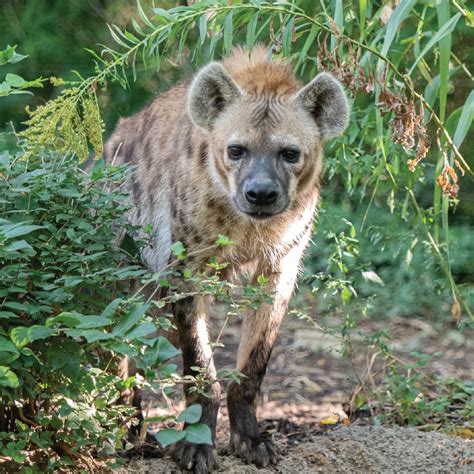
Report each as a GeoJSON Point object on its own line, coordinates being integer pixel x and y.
{"type": "Point", "coordinates": [269, 241]}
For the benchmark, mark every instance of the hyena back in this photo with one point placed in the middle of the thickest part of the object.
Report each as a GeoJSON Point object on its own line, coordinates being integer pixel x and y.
{"type": "Point", "coordinates": [236, 151]}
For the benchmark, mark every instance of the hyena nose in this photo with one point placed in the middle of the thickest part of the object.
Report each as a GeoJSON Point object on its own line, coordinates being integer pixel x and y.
{"type": "Point", "coordinates": [261, 193]}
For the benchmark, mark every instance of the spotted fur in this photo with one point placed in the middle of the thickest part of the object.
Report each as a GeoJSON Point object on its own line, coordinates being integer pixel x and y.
{"type": "Point", "coordinates": [187, 186]}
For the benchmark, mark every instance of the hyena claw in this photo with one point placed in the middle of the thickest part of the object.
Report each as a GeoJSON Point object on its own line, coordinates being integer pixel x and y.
{"type": "Point", "coordinates": [258, 451]}
{"type": "Point", "coordinates": [197, 458]}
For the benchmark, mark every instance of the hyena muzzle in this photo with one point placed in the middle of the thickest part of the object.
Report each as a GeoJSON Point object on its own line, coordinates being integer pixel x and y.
{"type": "Point", "coordinates": [236, 151]}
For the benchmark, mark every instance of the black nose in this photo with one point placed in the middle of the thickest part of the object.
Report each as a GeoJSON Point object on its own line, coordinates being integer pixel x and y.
{"type": "Point", "coordinates": [261, 193]}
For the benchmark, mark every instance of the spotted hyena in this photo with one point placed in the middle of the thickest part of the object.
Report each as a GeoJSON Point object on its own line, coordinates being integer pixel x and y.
{"type": "Point", "coordinates": [235, 151]}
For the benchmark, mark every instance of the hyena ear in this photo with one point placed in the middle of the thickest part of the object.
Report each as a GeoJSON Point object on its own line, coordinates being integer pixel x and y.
{"type": "Point", "coordinates": [211, 92]}
{"type": "Point", "coordinates": [325, 99]}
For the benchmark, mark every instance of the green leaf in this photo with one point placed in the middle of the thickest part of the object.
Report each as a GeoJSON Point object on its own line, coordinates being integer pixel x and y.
{"type": "Point", "coordinates": [129, 319]}
{"type": "Point", "coordinates": [338, 20]}
{"type": "Point", "coordinates": [131, 37]}
{"type": "Point", "coordinates": [224, 241]}
{"type": "Point", "coordinates": [15, 305]}
{"type": "Point", "coordinates": [142, 330]}
{"type": "Point", "coordinates": [8, 351]}
{"type": "Point", "coordinates": [19, 245]}
{"type": "Point", "coordinates": [38, 332]}
{"type": "Point", "coordinates": [192, 414]}
{"type": "Point", "coordinates": [199, 433]}
{"type": "Point", "coordinates": [228, 32]}
{"type": "Point", "coordinates": [8, 55]}
{"type": "Point", "coordinates": [15, 80]}
{"type": "Point", "coordinates": [178, 250]}
{"type": "Point", "coordinates": [307, 44]}
{"type": "Point", "coordinates": [251, 29]}
{"type": "Point", "coordinates": [164, 350]}
{"type": "Point", "coordinates": [137, 27]}
{"type": "Point", "coordinates": [399, 14]}
{"type": "Point", "coordinates": [93, 322]}
{"type": "Point", "coordinates": [8, 378]}
{"type": "Point", "coordinates": [19, 336]}
{"type": "Point", "coordinates": [262, 279]}
{"type": "Point", "coordinates": [169, 436]}
{"type": "Point", "coordinates": [91, 335]}
{"type": "Point", "coordinates": [287, 36]}
{"type": "Point", "coordinates": [116, 37]}
{"type": "Point", "coordinates": [110, 310]}
{"type": "Point", "coordinates": [71, 320]}
{"type": "Point", "coordinates": [160, 352]}
{"type": "Point", "coordinates": [446, 29]}
{"type": "Point", "coordinates": [5, 89]}
{"type": "Point", "coordinates": [10, 231]}
{"type": "Point", "coordinates": [345, 294]}
{"type": "Point", "coordinates": [143, 16]}
{"type": "Point", "coordinates": [64, 354]}
{"type": "Point", "coordinates": [203, 28]}
{"type": "Point", "coordinates": [362, 16]}
{"type": "Point", "coordinates": [465, 120]}
{"type": "Point", "coordinates": [8, 315]}
{"type": "Point", "coordinates": [443, 13]}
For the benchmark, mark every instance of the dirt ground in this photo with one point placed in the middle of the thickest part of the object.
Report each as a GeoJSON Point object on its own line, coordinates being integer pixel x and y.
{"type": "Point", "coordinates": [309, 380]}
{"type": "Point", "coordinates": [349, 450]}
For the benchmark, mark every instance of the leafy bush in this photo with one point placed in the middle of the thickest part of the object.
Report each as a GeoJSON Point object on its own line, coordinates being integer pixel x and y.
{"type": "Point", "coordinates": [391, 269]}
{"type": "Point", "coordinates": [64, 312]}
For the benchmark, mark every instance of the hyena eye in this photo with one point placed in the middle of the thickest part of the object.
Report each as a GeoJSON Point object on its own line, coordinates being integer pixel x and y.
{"type": "Point", "coordinates": [289, 155]}
{"type": "Point", "coordinates": [236, 152]}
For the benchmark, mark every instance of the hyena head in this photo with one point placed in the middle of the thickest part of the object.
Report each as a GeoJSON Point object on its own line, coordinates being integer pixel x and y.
{"type": "Point", "coordinates": [265, 130]}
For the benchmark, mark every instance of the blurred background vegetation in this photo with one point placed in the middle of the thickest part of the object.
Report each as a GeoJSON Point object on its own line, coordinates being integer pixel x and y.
{"type": "Point", "coordinates": [359, 200]}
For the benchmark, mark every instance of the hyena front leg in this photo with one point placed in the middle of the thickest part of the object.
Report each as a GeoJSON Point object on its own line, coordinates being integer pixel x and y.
{"type": "Point", "coordinates": [259, 331]}
{"type": "Point", "coordinates": [190, 319]}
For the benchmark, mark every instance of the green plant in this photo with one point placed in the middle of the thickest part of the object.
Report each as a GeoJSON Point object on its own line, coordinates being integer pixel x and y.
{"type": "Point", "coordinates": [407, 395]}
{"type": "Point", "coordinates": [62, 307]}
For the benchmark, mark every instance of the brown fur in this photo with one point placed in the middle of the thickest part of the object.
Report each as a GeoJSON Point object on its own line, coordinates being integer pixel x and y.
{"type": "Point", "coordinates": [188, 188]}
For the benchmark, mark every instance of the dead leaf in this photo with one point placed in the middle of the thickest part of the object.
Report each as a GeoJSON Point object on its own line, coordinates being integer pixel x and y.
{"type": "Point", "coordinates": [456, 311]}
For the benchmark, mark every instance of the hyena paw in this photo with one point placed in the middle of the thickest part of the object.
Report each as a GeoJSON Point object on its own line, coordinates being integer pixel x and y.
{"type": "Point", "coordinates": [258, 451]}
{"type": "Point", "coordinates": [198, 458]}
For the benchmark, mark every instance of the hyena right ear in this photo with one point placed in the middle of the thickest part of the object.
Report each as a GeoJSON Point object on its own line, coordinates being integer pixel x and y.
{"type": "Point", "coordinates": [211, 92]}
{"type": "Point", "coordinates": [325, 99]}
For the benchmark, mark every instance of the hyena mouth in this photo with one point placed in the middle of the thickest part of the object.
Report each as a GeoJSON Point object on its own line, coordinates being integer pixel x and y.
{"type": "Point", "coordinates": [261, 215]}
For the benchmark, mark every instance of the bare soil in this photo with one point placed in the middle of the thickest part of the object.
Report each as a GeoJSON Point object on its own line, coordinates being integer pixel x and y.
{"type": "Point", "coordinates": [351, 449]}
{"type": "Point", "coordinates": [308, 380]}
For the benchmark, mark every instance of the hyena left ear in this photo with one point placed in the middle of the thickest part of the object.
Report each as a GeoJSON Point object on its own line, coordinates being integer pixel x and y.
{"type": "Point", "coordinates": [325, 99]}
{"type": "Point", "coordinates": [211, 92]}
